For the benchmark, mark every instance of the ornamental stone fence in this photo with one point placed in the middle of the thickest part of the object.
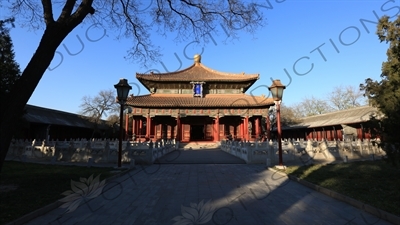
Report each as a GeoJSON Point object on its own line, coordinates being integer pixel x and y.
{"type": "Point", "coordinates": [95, 150]}
{"type": "Point", "coordinates": [303, 152]}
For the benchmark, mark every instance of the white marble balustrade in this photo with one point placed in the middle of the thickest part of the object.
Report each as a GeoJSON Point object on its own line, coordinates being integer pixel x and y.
{"type": "Point", "coordinates": [82, 150]}
{"type": "Point", "coordinates": [295, 151]}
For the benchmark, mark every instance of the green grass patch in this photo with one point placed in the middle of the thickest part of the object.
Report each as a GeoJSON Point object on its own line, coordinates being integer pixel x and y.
{"type": "Point", "coordinates": [376, 183]}
{"type": "Point", "coordinates": [25, 187]}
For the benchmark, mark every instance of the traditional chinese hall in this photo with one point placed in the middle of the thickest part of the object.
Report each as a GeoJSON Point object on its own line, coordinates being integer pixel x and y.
{"type": "Point", "coordinates": [197, 104]}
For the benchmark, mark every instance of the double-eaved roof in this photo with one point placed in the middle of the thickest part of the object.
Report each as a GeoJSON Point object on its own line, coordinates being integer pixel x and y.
{"type": "Point", "coordinates": [227, 89]}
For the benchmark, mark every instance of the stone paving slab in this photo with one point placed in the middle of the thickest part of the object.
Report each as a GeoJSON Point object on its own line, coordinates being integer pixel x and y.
{"type": "Point", "coordinates": [208, 194]}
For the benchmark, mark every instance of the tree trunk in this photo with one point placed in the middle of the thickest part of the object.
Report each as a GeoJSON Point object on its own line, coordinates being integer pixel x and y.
{"type": "Point", "coordinates": [25, 86]}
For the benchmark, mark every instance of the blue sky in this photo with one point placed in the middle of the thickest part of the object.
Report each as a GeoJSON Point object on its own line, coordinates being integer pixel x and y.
{"type": "Point", "coordinates": [327, 39]}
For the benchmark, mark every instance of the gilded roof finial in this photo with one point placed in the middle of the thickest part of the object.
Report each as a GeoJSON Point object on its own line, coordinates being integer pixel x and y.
{"type": "Point", "coordinates": [197, 58]}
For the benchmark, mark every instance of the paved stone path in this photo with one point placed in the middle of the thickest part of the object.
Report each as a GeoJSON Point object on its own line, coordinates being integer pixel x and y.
{"type": "Point", "coordinates": [200, 156]}
{"type": "Point", "coordinates": [234, 194]}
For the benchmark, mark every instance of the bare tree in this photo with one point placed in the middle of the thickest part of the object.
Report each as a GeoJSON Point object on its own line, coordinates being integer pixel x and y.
{"type": "Point", "coordinates": [289, 116]}
{"type": "Point", "coordinates": [184, 18]}
{"type": "Point", "coordinates": [97, 107]}
{"type": "Point", "coordinates": [100, 105]}
{"type": "Point", "coordinates": [311, 106]}
{"type": "Point", "coordinates": [342, 97]}
{"type": "Point", "coordinates": [298, 110]}
{"type": "Point", "coordinates": [345, 97]}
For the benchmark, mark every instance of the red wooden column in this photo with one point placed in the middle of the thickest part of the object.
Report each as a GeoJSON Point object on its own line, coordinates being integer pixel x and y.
{"type": "Point", "coordinates": [241, 129]}
{"type": "Point", "coordinates": [148, 125]}
{"type": "Point", "coordinates": [134, 132]}
{"type": "Point", "coordinates": [217, 137]}
{"type": "Point", "coordinates": [268, 127]}
{"type": "Point", "coordinates": [257, 124]}
{"type": "Point", "coordinates": [140, 127]}
{"type": "Point", "coordinates": [178, 128]}
{"type": "Point", "coordinates": [126, 126]}
{"type": "Point", "coordinates": [214, 132]}
{"type": "Point", "coordinates": [246, 127]}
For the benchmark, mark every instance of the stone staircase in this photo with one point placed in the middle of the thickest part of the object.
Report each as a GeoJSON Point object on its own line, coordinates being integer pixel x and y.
{"type": "Point", "coordinates": [197, 145]}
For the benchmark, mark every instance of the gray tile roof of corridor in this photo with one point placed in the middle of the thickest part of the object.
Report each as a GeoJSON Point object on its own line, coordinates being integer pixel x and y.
{"type": "Point", "coordinates": [238, 194]}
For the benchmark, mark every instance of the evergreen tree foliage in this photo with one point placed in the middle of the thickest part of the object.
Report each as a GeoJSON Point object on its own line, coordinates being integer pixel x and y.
{"type": "Point", "coordinates": [9, 69]}
{"type": "Point", "coordinates": [385, 93]}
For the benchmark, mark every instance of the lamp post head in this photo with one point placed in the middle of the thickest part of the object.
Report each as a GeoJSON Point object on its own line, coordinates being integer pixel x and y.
{"type": "Point", "coordinates": [277, 90]}
{"type": "Point", "coordinates": [122, 90]}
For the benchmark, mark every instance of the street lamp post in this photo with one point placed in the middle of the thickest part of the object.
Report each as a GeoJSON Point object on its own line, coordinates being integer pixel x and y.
{"type": "Point", "coordinates": [122, 94]}
{"type": "Point", "coordinates": [277, 92]}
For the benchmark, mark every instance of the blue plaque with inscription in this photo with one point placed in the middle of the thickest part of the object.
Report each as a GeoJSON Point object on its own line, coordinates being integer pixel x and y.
{"type": "Point", "coordinates": [197, 89]}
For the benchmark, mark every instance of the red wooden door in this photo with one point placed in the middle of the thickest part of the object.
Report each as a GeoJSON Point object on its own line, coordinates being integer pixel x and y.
{"type": "Point", "coordinates": [185, 132]}
{"type": "Point", "coordinates": [221, 131]}
{"type": "Point", "coordinates": [169, 130]}
{"type": "Point", "coordinates": [209, 132]}
{"type": "Point", "coordinates": [158, 131]}
{"type": "Point", "coordinates": [237, 132]}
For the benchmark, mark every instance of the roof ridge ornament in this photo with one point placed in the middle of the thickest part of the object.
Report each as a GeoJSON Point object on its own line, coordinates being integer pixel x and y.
{"type": "Point", "coordinates": [197, 58]}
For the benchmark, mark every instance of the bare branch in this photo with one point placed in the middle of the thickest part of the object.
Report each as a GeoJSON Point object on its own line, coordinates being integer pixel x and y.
{"type": "Point", "coordinates": [47, 11]}
{"type": "Point", "coordinates": [81, 12]}
{"type": "Point", "coordinates": [183, 15]}
{"type": "Point", "coordinates": [32, 12]}
{"type": "Point", "coordinates": [136, 27]}
{"type": "Point", "coordinates": [134, 19]}
{"type": "Point", "coordinates": [67, 10]}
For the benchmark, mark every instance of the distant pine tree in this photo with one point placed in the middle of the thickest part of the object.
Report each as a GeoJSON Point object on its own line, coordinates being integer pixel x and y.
{"type": "Point", "coordinates": [9, 69]}
{"type": "Point", "coordinates": [385, 94]}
